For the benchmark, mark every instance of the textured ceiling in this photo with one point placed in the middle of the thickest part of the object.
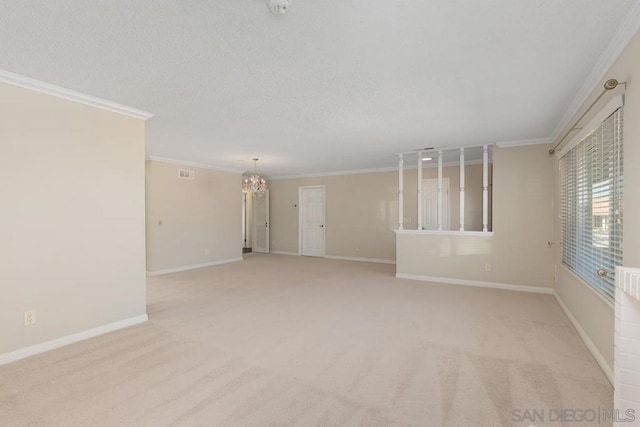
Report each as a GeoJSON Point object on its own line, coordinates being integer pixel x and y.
{"type": "Point", "coordinates": [333, 85]}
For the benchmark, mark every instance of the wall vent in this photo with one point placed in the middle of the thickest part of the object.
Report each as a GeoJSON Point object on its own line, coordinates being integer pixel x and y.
{"type": "Point", "coordinates": [186, 174]}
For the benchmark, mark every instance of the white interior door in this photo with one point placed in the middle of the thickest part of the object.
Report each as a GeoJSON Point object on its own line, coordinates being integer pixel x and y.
{"type": "Point", "coordinates": [312, 228]}
{"type": "Point", "coordinates": [261, 223]}
{"type": "Point", "coordinates": [430, 200]}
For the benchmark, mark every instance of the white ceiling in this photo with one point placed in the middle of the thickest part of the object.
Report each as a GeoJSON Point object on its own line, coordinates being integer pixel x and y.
{"type": "Point", "coordinates": [333, 85]}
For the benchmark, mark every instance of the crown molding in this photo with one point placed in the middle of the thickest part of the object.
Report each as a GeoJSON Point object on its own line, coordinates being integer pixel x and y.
{"type": "Point", "coordinates": [614, 49]}
{"type": "Point", "coordinates": [347, 172]}
{"type": "Point", "coordinates": [193, 164]}
{"type": "Point", "coordinates": [373, 170]}
{"type": "Point", "coordinates": [60, 92]}
{"type": "Point", "coordinates": [522, 142]}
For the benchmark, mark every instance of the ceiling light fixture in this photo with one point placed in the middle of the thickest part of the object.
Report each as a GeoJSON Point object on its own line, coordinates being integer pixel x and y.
{"type": "Point", "coordinates": [426, 159]}
{"type": "Point", "coordinates": [255, 183]}
{"type": "Point", "coordinates": [278, 7]}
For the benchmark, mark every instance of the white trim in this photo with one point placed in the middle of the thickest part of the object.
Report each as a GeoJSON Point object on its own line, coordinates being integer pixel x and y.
{"type": "Point", "coordinates": [266, 230]}
{"type": "Point", "coordinates": [440, 204]}
{"type": "Point", "coordinates": [285, 253]}
{"type": "Point", "coordinates": [192, 164]}
{"type": "Point", "coordinates": [523, 142]}
{"type": "Point", "coordinates": [608, 371]}
{"type": "Point", "coordinates": [342, 258]}
{"type": "Point", "coordinates": [447, 232]}
{"type": "Point", "coordinates": [191, 267]}
{"type": "Point", "coordinates": [485, 189]}
{"type": "Point", "coordinates": [350, 258]}
{"type": "Point", "coordinates": [347, 172]}
{"type": "Point", "coordinates": [602, 114]}
{"type": "Point", "coordinates": [461, 203]}
{"type": "Point", "coordinates": [374, 170]}
{"type": "Point", "coordinates": [618, 43]}
{"type": "Point", "coordinates": [628, 280]}
{"type": "Point", "coordinates": [434, 150]}
{"type": "Point", "coordinates": [324, 216]}
{"type": "Point", "coordinates": [477, 283]}
{"type": "Point", "coordinates": [60, 92]}
{"type": "Point", "coordinates": [70, 339]}
{"type": "Point", "coordinates": [400, 192]}
{"type": "Point", "coordinates": [420, 192]}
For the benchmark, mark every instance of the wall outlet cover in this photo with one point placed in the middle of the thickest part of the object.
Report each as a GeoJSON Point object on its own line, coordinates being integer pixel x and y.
{"type": "Point", "coordinates": [29, 317]}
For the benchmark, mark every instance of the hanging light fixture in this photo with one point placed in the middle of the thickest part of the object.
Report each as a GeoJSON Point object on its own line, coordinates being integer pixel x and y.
{"type": "Point", "coordinates": [278, 7]}
{"type": "Point", "coordinates": [255, 183]}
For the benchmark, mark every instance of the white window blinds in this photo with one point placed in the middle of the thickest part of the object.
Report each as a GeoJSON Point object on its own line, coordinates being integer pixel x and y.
{"type": "Point", "coordinates": [591, 205]}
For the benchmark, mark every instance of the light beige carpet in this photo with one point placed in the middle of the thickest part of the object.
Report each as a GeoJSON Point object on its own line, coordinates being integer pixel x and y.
{"type": "Point", "coordinates": [294, 341]}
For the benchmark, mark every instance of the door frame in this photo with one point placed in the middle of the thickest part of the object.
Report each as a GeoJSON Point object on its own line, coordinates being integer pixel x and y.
{"type": "Point", "coordinates": [324, 212]}
{"type": "Point", "coordinates": [244, 220]}
{"type": "Point", "coordinates": [254, 236]}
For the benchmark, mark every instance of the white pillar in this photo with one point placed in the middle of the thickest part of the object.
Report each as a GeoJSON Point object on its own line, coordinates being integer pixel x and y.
{"type": "Point", "coordinates": [462, 189]}
{"type": "Point", "coordinates": [419, 190]}
{"type": "Point", "coordinates": [400, 192]}
{"type": "Point", "coordinates": [439, 190]}
{"type": "Point", "coordinates": [485, 188]}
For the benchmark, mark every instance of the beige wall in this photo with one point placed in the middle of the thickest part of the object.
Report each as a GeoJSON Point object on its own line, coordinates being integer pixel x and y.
{"type": "Point", "coordinates": [595, 316]}
{"type": "Point", "coordinates": [362, 210]}
{"type": "Point", "coordinates": [72, 228]}
{"type": "Point", "coordinates": [192, 222]}
{"type": "Point", "coordinates": [522, 223]}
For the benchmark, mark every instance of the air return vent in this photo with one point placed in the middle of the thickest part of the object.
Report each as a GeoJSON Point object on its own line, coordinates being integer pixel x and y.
{"type": "Point", "coordinates": [186, 174]}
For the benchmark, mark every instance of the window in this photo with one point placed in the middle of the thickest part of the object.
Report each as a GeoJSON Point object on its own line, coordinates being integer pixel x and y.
{"type": "Point", "coordinates": [591, 183]}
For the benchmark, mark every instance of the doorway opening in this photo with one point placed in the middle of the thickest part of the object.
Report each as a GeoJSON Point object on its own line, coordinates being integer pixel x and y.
{"type": "Point", "coordinates": [247, 222]}
{"type": "Point", "coordinates": [260, 229]}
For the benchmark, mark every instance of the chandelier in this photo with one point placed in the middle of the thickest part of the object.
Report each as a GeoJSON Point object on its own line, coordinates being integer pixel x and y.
{"type": "Point", "coordinates": [255, 183]}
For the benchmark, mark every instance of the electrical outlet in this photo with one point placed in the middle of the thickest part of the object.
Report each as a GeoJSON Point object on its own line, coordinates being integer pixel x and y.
{"type": "Point", "coordinates": [487, 267]}
{"type": "Point", "coordinates": [29, 317]}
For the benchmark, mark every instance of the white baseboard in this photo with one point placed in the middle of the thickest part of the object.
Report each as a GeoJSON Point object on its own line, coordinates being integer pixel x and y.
{"type": "Point", "coordinates": [191, 267]}
{"type": "Point", "coordinates": [350, 258]}
{"type": "Point", "coordinates": [476, 283]}
{"type": "Point", "coordinates": [606, 368]}
{"type": "Point", "coordinates": [70, 339]}
{"type": "Point", "coordinates": [343, 258]}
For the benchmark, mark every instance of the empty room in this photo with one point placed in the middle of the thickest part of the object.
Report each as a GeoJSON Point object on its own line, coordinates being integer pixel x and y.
{"type": "Point", "coordinates": [319, 213]}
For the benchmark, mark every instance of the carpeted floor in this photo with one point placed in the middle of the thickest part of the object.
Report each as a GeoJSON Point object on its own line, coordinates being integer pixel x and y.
{"type": "Point", "coordinates": [294, 341]}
